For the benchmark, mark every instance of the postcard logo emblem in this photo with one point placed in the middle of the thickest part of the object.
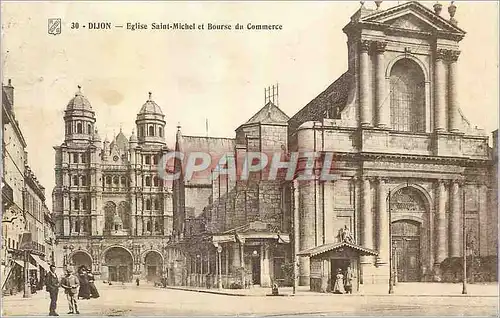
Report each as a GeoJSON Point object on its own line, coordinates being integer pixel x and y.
{"type": "Point", "coordinates": [54, 26]}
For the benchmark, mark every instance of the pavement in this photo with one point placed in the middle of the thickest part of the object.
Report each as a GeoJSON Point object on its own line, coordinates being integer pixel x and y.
{"type": "Point", "coordinates": [147, 300]}
{"type": "Point", "coordinates": [401, 289]}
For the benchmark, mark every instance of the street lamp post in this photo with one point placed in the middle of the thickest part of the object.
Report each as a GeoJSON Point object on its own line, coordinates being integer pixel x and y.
{"type": "Point", "coordinates": [464, 246]}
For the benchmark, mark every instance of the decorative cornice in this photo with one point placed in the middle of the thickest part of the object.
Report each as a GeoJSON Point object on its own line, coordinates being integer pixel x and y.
{"type": "Point", "coordinates": [379, 46]}
{"type": "Point", "coordinates": [364, 45]}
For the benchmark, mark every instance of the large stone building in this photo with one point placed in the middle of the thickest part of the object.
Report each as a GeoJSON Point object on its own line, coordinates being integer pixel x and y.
{"type": "Point", "coordinates": [112, 212]}
{"type": "Point", "coordinates": [408, 163]}
{"type": "Point", "coordinates": [408, 158]}
{"type": "Point", "coordinates": [238, 230]}
{"type": "Point", "coordinates": [24, 209]}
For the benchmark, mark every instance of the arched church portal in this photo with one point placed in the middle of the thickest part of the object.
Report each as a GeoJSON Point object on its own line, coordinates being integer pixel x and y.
{"type": "Point", "coordinates": [406, 233]}
{"type": "Point", "coordinates": [80, 258]}
{"type": "Point", "coordinates": [153, 264]}
{"type": "Point", "coordinates": [119, 263]}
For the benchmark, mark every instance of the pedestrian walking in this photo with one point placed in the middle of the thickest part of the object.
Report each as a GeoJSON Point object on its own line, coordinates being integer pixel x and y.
{"type": "Point", "coordinates": [71, 285]}
{"type": "Point", "coordinates": [338, 287]}
{"type": "Point", "coordinates": [84, 291]}
{"type": "Point", "coordinates": [52, 287]}
{"type": "Point", "coordinates": [93, 290]}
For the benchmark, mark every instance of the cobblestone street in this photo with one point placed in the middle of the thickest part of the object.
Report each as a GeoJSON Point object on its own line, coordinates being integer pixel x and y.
{"type": "Point", "coordinates": [146, 300]}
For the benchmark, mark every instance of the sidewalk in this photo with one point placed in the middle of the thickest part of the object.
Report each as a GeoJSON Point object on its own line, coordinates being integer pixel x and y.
{"type": "Point", "coordinates": [401, 289]}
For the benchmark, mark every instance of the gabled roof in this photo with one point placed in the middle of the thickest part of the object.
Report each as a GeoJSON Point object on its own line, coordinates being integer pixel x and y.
{"type": "Point", "coordinates": [269, 114]}
{"type": "Point", "coordinates": [411, 15]}
{"type": "Point", "coordinates": [335, 246]}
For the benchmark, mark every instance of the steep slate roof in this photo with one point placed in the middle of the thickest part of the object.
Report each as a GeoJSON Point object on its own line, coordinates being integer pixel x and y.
{"type": "Point", "coordinates": [270, 113]}
{"type": "Point", "coordinates": [334, 95]}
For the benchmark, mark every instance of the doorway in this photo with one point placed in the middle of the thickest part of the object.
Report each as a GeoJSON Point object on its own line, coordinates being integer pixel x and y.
{"type": "Point", "coordinates": [406, 240]}
{"type": "Point", "coordinates": [256, 270]}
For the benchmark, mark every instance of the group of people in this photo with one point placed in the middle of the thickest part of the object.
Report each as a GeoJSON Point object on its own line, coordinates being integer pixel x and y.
{"type": "Point", "coordinates": [75, 287]}
{"type": "Point", "coordinates": [343, 281]}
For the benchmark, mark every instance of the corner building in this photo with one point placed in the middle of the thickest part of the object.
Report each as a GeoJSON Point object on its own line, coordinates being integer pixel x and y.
{"type": "Point", "coordinates": [407, 157]}
{"type": "Point", "coordinates": [112, 211]}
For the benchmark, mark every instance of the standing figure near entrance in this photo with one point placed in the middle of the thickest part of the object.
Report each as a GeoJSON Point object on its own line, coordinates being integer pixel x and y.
{"type": "Point", "coordinates": [84, 291]}
{"type": "Point", "coordinates": [71, 284]}
{"type": "Point", "coordinates": [349, 276]}
{"type": "Point", "coordinates": [338, 287]}
{"type": "Point", "coordinates": [93, 290]}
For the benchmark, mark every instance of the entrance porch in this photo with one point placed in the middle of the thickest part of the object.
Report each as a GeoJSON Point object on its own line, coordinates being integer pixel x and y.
{"type": "Point", "coordinates": [329, 260]}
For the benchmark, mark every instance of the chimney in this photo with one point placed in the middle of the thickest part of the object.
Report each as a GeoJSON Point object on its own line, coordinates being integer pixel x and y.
{"type": "Point", "coordinates": [9, 91]}
{"type": "Point", "coordinates": [437, 8]}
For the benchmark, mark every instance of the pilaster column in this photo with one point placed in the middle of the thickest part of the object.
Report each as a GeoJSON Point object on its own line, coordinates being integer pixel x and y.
{"type": "Point", "coordinates": [440, 246]}
{"type": "Point", "coordinates": [364, 85]}
{"type": "Point", "coordinates": [440, 91]}
{"type": "Point", "coordinates": [381, 102]}
{"type": "Point", "coordinates": [455, 229]}
{"type": "Point", "coordinates": [367, 216]}
{"type": "Point", "coordinates": [383, 224]}
{"type": "Point", "coordinates": [453, 113]}
{"type": "Point", "coordinates": [242, 261]}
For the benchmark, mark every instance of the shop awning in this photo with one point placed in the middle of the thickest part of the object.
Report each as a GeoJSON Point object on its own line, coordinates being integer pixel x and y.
{"type": "Point", "coordinates": [336, 246]}
{"type": "Point", "coordinates": [21, 263]}
{"type": "Point", "coordinates": [41, 262]}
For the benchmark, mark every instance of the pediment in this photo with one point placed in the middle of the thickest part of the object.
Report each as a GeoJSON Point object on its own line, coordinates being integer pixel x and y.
{"type": "Point", "coordinates": [412, 16]}
{"type": "Point", "coordinates": [409, 22]}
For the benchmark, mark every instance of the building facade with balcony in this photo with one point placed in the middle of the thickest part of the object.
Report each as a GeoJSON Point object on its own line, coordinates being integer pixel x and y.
{"type": "Point", "coordinates": [24, 209]}
{"type": "Point", "coordinates": [409, 162]}
{"type": "Point", "coordinates": [112, 212]}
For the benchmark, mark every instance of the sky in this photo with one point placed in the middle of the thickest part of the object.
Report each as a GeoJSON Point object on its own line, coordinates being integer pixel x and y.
{"type": "Point", "coordinates": [195, 76]}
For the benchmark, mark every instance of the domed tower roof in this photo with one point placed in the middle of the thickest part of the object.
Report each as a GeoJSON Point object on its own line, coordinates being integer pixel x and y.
{"type": "Point", "coordinates": [79, 102]}
{"type": "Point", "coordinates": [133, 137]}
{"type": "Point", "coordinates": [121, 140]}
{"type": "Point", "coordinates": [150, 107]}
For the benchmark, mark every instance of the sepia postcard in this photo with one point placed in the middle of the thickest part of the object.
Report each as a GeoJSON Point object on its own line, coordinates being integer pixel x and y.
{"type": "Point", "coordinates": [252, 158]}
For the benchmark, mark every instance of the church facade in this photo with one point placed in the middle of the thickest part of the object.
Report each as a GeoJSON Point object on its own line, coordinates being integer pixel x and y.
{"type": "Point", "coordinates": [410, 165]}
{"type": "Point", "coordinates": [112, 212]}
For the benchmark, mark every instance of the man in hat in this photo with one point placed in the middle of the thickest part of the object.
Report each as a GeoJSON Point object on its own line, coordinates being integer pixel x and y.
{"type": "Point", "coordinates": [52, 287]}
{"type": "Point", "coordinates": [71, 284]}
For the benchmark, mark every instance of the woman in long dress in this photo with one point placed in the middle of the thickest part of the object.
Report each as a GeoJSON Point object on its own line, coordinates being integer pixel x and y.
{"type": "Point", "coordinates": [84, 291]}
{"type": "Point", "coordinates": [93, 290]}
{"type": "Point", "coordinates": [338, 287]}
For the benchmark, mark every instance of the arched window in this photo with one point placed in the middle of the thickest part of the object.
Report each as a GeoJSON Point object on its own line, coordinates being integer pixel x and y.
{"type": "Point", "coordinates": [124, 181]}
{"type": "Point", "coordinates": [84, 181]}
{"type": "Point", "coordinates": [108, 180]}
{"type": "Point", "coordinates": [148, 204]}
{"type": "Point", "coordinates": [79, 128]}
{"type": "Point", "coordinates": [160, 131]}
{"type": "Point", "coordinates": [75, 157]}
{"type": "Point", "coordinates": [155, 159]}
{"type": "Point", "coordinates": [75, 180]}
{"type": "Point", "coordinates": [157, 204]}
{"type": "Point", "coordinates": [157, 226]}
{"type": "Point", "coordinates": [89, 129]}
{"type": "Point", "coordinates": [147, 159]}
{"type": "Point", "coordinates": [151, 131]}
{"type": "Point", "coordinates": [84, 203]}
{"type": "Point", "coordinates": [76, 203]}
{"type": "Point", "coordinates": [116, 180]}
{"type": "Point", "coordinates": [77, 226]}
{"type": "Point", "coordinates": [407, 96]}
{"type": "Point", "coordinates": [141, 131]}
{"type": "Point", "coordinates": [148, 181]}
{"type": "Point", "coordinates": [155, 181]}
{"type": "Point", "coordinates": [148, 226]}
